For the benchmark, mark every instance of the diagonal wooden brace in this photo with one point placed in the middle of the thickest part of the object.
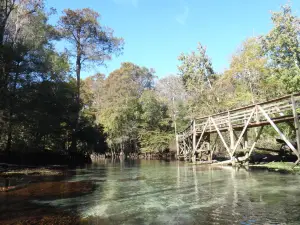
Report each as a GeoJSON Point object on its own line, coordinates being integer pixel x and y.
{"type": "Point", "coordinates": [256, 139]}
{"type": "Point", "coordinates": [203, 131]}
{"type": "Point", "coordinates": [221, 137]}
{"type": "Point", "coordinates": [279, 132]}
{"type": "Point", "coordinates": [243, 131]}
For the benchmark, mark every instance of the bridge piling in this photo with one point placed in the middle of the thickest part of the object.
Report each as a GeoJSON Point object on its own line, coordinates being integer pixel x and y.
{"type": "Point", "coordinates": [194, 142]}
{"type": "Point", "coordinates": [296, 124]}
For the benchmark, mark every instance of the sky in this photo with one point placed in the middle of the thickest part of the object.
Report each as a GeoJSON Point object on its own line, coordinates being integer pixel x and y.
{"type": "Point", "coordinates": [157, 31]}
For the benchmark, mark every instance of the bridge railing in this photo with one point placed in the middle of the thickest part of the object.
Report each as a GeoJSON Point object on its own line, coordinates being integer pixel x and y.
{"type": "Point", "coordinates": [279, 110]}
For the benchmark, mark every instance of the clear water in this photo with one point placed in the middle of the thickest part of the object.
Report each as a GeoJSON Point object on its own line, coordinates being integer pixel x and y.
{"type": "Point", "coordinates": [158, 192]}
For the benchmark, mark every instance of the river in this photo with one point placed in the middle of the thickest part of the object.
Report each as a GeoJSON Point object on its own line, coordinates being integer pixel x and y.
{"type": "Point", "coordinates": [159, 192]}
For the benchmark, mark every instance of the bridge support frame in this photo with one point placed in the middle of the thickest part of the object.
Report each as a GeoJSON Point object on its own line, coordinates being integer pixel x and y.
{"type": "Point", "coordinates": [196, 138]}
{"type": "Point", "coordinates": [297, 125]}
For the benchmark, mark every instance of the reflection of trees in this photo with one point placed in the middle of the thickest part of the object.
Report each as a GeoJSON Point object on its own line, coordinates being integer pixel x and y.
{"type": "Point", "coordinates": [147, 191]}
{"type": "Point", "coordinates": [233, 196]}
{"type": "Point", "coordinates": [190, 194]}
{"type": "Point", "coordinates": [244, 197]}
{"type": "Point", "coordinates": [116, 199]}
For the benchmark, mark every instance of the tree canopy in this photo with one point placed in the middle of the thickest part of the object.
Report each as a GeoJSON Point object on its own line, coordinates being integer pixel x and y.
{"type": "Point", "coordinates": [46, 104]}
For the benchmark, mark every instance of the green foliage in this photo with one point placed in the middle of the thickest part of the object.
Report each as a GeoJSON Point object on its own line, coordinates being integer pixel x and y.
{"type": "Point", "coordinates": [90, 41]}
{"type": "Point", "coordinates": [198, 78]}
{"type": "Point", "coordinates": [261, 69]}
{"type": "Point", "coordinates": [196, 70]}
{"type": "Point", "coordinates": [155, 131]}
{"type": "Point", "coordinates": [155, 141]}
{"type": "Point", "coordinates": [282, 166]}
{"type": "Point", "coordinates": [248, 68]}
{"type": "Point", "coordinates": [38, 105]}
{"type": "Point", "coordinates": [118, 108]}
{"type": "Point", "coordinates": [42, 107]}
{"type": "Point", "coordinates": [282, 47]}
{"type": "Point", "coordinates": [130, 111]}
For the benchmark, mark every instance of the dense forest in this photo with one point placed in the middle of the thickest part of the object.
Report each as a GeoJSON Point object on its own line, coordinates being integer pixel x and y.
{"type": "Point", "coordinates": [47, 106]}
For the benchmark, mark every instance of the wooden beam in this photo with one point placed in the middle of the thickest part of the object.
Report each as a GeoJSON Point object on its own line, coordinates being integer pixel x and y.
{"type": "Point", "coordinates": [221, 136]}
{"type": "Point", "coordinates": [296, 123]}
{"type": "Point", "coordinates": [231, 135]}
{"type": "Point", "coordinates": [256, 139]}
{"type": "Point", "coordinates": [182, 149]}
{"type": "Point", "coordinates": [201, 147]}
{"type": "Point", "coordinates": [250, 106]}
{"type": "Point", "coordinates": [236, 137]}
{"type": "Point", "coordinates": [264, 123]}
{"type": "Point", "coordinates": [194, 142]}
{"type": "Point", "coordinates": [278, 131]}
{"type": "Point", "coordinates": [190, 143]}
{"type": "Point", "coordinates": [177, 145]}
{"type": "Point", "coordinates": [215, 141]}
{"type": "Point", "coordinates": [243, 131]}
{"type": "Point", "coordinates": [185, 148]}
{"type": "Point", "coordinates": [201, 136]}
{"type": "Point", "coordinates": [246, 140]}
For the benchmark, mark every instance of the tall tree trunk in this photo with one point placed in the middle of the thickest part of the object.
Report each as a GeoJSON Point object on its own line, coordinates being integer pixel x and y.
{"type": "Point", "coordinates": [11, 110]}
{"type": "Point", "coordinates": [9, 132]}
{"type": "Point", "coordinates": [76, 122]}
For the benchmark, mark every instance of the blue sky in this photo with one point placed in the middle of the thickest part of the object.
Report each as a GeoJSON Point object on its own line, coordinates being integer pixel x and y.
{"type": "Point", "coordinates": [157, 31]}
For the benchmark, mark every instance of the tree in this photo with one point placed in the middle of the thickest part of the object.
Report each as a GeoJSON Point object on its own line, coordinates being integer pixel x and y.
{"type": "Point", "coordinates": [119, 109]}
{"type": "Point", "coordinates": [248, 68]}
{"type": "Point", "coordinates": [282, 45]}
{"type": "Point", "coordinates": [196, 70]}
{"type": "Point", "coordinates": [14, 17]}
{"type": "Point", "coordinates": [28, 57]}
{"type": "Point", "coordinates": [155, 131]}
{"type": "Point", "coordinates": [91, 43]}
{"type": "Point", "coordinates": [198, 77]}
{"type": "Point", "coordinates": [170, 89]}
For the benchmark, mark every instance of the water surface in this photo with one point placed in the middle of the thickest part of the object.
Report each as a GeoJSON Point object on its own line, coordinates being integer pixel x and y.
{"type": "Point", "coordinates": [158, 192]}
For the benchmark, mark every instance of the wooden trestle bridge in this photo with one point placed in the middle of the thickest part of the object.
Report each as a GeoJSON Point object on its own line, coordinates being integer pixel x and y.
{"type": "Point", "coordinates": [232, 129]}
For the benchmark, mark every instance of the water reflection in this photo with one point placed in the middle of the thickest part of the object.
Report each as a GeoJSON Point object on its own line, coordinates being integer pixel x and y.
{"type": "Point", "coordinates": [159, 192]}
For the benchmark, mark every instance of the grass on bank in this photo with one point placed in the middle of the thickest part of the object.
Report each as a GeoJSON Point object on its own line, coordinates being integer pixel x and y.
{"type": "Point", "coordinates": [32, 172]}
{"type": "Point", "coordinates": [284, 166]}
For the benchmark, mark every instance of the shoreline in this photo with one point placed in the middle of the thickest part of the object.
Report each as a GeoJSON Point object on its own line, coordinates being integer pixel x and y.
{"type": "Point", "coordinates": [288, 167]}
{"type": "Point", "coordinates": [278, 167]}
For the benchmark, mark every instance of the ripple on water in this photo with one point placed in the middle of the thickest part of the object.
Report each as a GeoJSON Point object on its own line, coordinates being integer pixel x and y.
{"type": "Point", "coordinates": [169, 193]}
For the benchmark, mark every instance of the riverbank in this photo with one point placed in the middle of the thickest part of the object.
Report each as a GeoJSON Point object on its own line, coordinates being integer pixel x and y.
{"type": "Point", "coordinates": [278, 166]}
{"type": "Point", "coordinates": [13, 177]}
{"type": "Point", "coordinates": [44, 158]}
{"type": "Point", "coordinates": [288, 167]}
{"type": "Point", "coordinates": [31, 171]}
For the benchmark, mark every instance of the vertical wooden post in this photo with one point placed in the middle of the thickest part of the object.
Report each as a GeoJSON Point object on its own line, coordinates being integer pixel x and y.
{"type": "Point", "coordinates": [194, 142]}
{"type": "Point", "coordinates": [246, 140]}
{"type": "Point", "coordinates": [245, 144]}
{"type": "Point", "coordinates": [184, 148]}
{"type": "Point", "coordinates": [177, 146]}
{"type": "Point", "coordinates": [231, 135]}
{"type": "Point", "coordinates": [208, 140]}
{"type": "Point", "coordinates": [256, 119]}
{"type": "Point", "coordinates": [208, 148]}
{"type": "Point", "coordinates": [296, 122]}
